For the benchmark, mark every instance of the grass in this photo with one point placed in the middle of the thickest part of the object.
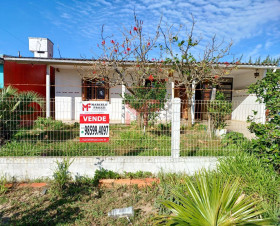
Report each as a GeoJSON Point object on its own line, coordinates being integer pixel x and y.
{"type": "Point", "coordinates": [85, 205]}
{"type": "Point", "coordinates": [54, 138]}
{"type": "Point", "coordinates": [257, 179]}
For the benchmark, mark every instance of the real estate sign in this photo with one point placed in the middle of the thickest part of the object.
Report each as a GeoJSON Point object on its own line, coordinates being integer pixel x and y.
{"type": "Point", "coordinates": [94, 121]}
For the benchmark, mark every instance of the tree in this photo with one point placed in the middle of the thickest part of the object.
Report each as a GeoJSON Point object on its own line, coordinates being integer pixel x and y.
{"type": "Point", "coordinates": [14, 106]}
{"type": "Point", "coordinates": [267, 144]}
{"type": "Point", "coordinates": [188, 69]}
{"type": "Point", "coordinates": [126, 61]}
{"type": "Point", "coordinates": [147, 100]}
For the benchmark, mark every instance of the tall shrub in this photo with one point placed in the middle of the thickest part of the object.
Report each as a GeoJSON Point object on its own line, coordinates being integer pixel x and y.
{"type": "Point", "coordinates": [14, 106]}
{"type": "Point", "coordinates": [267, 143]}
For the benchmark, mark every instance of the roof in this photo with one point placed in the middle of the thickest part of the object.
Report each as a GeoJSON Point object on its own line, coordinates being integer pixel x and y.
{"type": "Point", "coordinates": [83, 61]}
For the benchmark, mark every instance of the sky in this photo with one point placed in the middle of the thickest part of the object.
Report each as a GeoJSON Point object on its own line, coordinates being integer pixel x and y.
{"type": "Point", "coordinates": [74, 26]}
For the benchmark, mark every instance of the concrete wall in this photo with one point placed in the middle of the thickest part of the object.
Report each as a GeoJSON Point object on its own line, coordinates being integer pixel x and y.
{"type": "Point", "coordinates": [24, 168]}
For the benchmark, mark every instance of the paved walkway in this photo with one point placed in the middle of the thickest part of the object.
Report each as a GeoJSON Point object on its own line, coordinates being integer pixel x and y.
{"type": "Point", "coordinates": [241, 127]}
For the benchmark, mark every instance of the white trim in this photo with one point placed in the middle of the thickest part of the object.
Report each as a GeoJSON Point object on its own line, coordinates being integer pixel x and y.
{"type": "Point", "coordinates": [48, 91]}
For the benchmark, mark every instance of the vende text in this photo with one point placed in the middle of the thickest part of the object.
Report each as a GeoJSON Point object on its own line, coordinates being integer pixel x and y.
{"type": "Point", "coordinates": [94, 118]}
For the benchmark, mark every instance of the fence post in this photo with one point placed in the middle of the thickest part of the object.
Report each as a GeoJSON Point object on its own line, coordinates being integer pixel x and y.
{"type": "Point", "coordinates": [175, 128]}
{"type": "Point", "coordinates": [48, 92]}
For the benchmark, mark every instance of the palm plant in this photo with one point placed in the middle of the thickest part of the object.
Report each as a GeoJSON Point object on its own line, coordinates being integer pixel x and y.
{"type": "Point", "coordinates": [14, 106]}
{"type": "Point", "coordinates": [210, 199]}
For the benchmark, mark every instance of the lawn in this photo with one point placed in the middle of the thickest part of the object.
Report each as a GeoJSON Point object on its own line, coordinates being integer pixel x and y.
{"type": "Point", "coordinates": [85, 206]}
{"type": "Point", "coordinates": [54, 138]}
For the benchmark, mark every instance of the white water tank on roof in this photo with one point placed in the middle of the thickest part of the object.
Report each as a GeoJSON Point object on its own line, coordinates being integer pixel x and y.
{"type": "Point", "coordinates": [41, 47]}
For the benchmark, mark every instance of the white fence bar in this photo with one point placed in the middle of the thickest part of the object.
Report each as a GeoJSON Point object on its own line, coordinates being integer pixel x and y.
{"type": "Point", "coordinates": [175, 128]}
{"type": "Point", "coordinates": [48, 91]}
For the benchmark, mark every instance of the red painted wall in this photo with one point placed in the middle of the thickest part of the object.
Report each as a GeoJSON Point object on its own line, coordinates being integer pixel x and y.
{"type": "Point", "coordinates": [25, 77]}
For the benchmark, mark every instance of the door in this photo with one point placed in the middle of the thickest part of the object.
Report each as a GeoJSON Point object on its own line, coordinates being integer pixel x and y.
{"type": "Point", "coordinates": [180, 91]}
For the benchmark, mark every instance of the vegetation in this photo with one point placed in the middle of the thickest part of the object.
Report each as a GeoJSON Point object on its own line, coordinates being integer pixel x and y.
{"type": "Point", "coordinates": [15, 107]}
{"type": "Point", "coordinates": [267, 144]}
{"type": "Point", "coordinates": [256, 179]}
{"type": "Point", "coordinates": [62, 176]}
{"type": "Point", "coordinates": [218, 110]}
{"type": "Point", "coordinates": [212, 200]}
{"type": "Point", "coordinates": [147, 100]}
{"type": "Point", "coordinates": [49, 137]}
{"type": "Point", "coordinates": [267, 60]}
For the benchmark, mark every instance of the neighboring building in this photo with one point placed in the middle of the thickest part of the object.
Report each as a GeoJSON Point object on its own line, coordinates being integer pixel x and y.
{"type": "Point", "coordinates": [58, 80]}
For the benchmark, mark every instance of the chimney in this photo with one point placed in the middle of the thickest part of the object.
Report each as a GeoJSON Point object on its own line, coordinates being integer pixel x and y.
{"type": "Point", "coordinates": [41, 47]}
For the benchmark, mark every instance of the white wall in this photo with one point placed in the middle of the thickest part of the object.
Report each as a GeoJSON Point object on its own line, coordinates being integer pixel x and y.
{"type": "Point", "coordinates": [68, 97]}
{"type": "Point", "coordinates": [243, 103]}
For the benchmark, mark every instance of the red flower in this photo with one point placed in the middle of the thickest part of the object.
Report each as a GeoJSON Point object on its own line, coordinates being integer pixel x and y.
{"type": "Point", "coordinates": [237, 62]}
{"type": "Point", "coordinates": [125, 52]}
{"type": "Point", "coordinates": [128, 49]}
{"type": "Point", "coordinates": [135, 28]}
{"type": "Point", "coordinates": [112, 41]}
{"type": "Point", "coordinates": [153, 59]}
{"type": "Point", "coordinates": [137, 65]}
{"type": "Point", "coordinates": [166, 79]}
{"type": "Point", "coordinates": [103, 42]}
{"type": "Point", "coordinates": [216, 76]}
{"type": "Point", "coordinates": [151, 78]}
{"type": "Point", "coordinates": [226, 63]}
{"type": "Point", "coordinates": [116, 50]}
{"type": "Point", "coordinates": [129, 32]}
{"type": "Point", "coordinates": [103, 79]}
{"type": "Point", "coordinates": [123, 45]}
{"type": "Point", "coordinates": [94, 72]}
{"type": "Point", "coordinates": [148, 44]}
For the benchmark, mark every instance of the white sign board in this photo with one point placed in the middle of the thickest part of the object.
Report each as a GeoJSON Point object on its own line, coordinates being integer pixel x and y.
{"type": "Point", "coordinates": [94, 121]}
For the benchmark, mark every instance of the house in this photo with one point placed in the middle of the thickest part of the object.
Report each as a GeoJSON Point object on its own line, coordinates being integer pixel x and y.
{"type": "Point", "coordinates": [58, 81]}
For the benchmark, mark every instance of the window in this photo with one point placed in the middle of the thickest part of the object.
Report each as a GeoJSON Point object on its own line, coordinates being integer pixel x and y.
{"type": "Point", "coordinates": [95, 90]}
{"type": "Point", "coordinates": [225, 87]}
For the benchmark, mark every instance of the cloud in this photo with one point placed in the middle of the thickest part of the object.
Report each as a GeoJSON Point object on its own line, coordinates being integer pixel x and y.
{"type": "Point", "coordinates": [236, 20]}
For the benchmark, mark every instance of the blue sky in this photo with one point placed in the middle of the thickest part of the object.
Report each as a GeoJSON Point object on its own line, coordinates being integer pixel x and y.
{"type": "Point", "coordinates": [74, 25]}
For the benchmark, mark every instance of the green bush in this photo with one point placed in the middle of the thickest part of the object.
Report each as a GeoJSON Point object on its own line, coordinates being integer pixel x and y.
{"type": "Point", "coordinates": [147, 100]}
{"type": "Point", "coordinates": [62, 176]}
{"type": "Point", "coordinates": [13, 106]}
{"type": "Point", "coordinates": [256, 179]}
{"type": "Point", "coordinates": [104, 174]}
{"type": "Point", "coordinates": [267, 144]}
{"type": "Point", "coordinates": [236, 140]}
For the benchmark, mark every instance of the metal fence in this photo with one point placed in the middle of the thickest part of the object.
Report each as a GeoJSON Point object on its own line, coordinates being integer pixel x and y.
{"type": "Point", "coordinates": [170, 127]}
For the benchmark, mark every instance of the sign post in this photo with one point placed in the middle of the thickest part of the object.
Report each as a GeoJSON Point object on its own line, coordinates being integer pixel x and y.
{"type": "Point", "coordinates": [94, 121]}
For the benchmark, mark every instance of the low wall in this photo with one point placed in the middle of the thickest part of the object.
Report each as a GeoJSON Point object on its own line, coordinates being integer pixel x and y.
{"type": "Point", "coordinates": [28, 168]}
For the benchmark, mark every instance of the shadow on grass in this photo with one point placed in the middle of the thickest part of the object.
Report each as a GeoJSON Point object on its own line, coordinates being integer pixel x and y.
{"type": "Point", "coordinates": [58, 210]}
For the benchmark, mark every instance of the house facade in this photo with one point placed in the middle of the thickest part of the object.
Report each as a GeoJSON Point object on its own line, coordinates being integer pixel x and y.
{"type": "Point", "coordinates": [59, 82]}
